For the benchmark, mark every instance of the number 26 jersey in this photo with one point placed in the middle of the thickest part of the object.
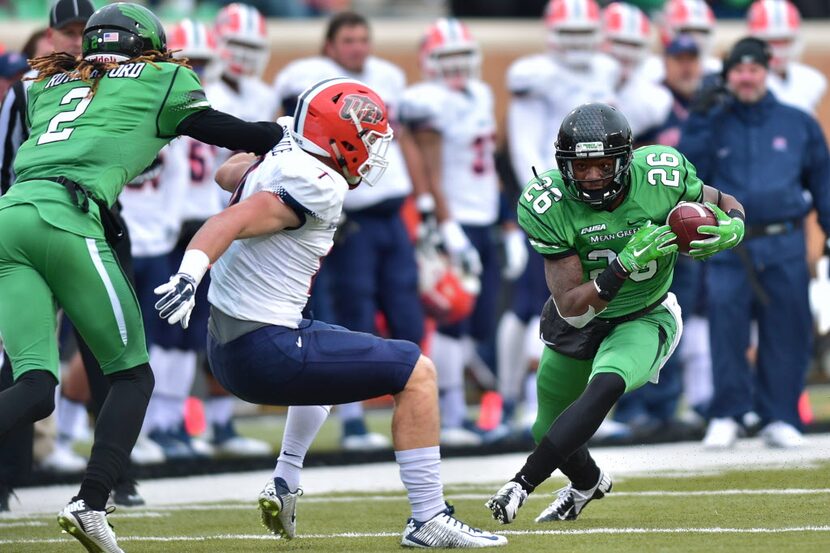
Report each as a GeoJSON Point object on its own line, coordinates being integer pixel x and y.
{"type": "Point", "coordinates": [557, 224]}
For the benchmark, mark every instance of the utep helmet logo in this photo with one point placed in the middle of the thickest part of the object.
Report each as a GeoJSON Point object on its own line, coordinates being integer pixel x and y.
{"type": "Point", "coordinates": [363, 107]}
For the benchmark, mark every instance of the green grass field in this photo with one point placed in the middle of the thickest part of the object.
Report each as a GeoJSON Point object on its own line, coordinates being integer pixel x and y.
{"type": "Point", "coordinates": [758, 511]}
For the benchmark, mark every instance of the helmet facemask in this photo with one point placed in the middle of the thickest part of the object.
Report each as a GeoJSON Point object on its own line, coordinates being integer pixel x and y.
{"type": "Point", "coordinates": [453, 65]}
{"type": "Point", "coordinates": [581, 189]}
{"type": "Point", "coordinates": [376, 145]}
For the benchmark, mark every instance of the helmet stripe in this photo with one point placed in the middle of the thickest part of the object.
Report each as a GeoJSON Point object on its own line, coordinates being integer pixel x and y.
{"type": "Point", "coordinates": [309, 94]}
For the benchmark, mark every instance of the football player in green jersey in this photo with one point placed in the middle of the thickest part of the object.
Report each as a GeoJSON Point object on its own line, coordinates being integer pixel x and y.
{"type": "Point", "coordinates": [96, 122]}
{"type": "Point", "coordinates": [611, 322]}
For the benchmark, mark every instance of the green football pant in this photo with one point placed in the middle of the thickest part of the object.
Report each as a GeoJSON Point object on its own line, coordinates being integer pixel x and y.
{"type": "Point", "coordinates": [43, 268]}
{"type": "Point", "coordinates": [636, 350]}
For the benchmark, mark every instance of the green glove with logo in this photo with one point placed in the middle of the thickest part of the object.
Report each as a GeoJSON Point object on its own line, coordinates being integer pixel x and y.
{"type": "Point", "coordinates": [648, 243]}
{"type": "Point", "coordinates": [728, 233]}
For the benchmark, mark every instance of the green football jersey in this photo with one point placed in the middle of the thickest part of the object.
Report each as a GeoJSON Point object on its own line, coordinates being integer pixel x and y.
{"type": "Point", "coordinates": [558, 224]}
{"type": "Point", "coordinates": [101, 141]}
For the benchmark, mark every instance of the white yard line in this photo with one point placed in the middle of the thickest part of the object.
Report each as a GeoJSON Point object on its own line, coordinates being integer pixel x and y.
{"type": "Point", "coordinates": [664, 459]}
{"type": "Point", "coordinates": [585, 531]}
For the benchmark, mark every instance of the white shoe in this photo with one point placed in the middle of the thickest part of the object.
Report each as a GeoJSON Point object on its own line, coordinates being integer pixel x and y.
{"type": "Point", "coordinates": [241, 446]}
{"type": "Point", "coordinates": [202, 447]}
{"type": "Point", "coordinates": [506, 502]}
{"type": "Point", "coordinates": [570, 502]}
{"type": "Point", "coordinates": [445, 531]}
{"type": "Point", "coordinates": [612, 430]}
{"type": "Point", "coordinates": [278, 508]}
{"type": "Point", "coordinates": [783, 435]}
{"type": "Point", "coordinates": [722, 433]}
{"type": "Point", "coordinates": [365, 442]}
{"type": "Point", "coordinates": [63, 459]}
{"type": "Point", "coordinates": [459, 437]}
{"type": "Point", "coordinates": [89, 527]}
{"type": "Point", "coordinates": [146, 451]}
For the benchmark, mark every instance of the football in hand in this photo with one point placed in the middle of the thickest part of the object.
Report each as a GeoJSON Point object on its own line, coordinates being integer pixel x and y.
{"type": "Point", "coordinates": [684, 220]}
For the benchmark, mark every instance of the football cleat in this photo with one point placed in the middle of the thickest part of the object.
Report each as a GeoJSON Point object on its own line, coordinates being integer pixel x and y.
{"type": "Point", "coordinates": [89, 527]}
{"type": "Point", "coordinates": [445, 531]}
{"type": "Point", "coordinates": [125, 494]}
{"type": "Point", "coordinates": [505, 504]}
{"type": "Point", "coordinates": [278, 508]}
{"type": "Point", "coordinates": [570, 501]}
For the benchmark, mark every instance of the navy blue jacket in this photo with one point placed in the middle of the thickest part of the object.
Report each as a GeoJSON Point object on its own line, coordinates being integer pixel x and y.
{"type": "Point", "coordinates": [765, 154]}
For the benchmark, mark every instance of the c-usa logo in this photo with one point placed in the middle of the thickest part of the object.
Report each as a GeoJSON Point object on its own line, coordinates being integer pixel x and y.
{"type": "Point", "coordinates": [367, 111]}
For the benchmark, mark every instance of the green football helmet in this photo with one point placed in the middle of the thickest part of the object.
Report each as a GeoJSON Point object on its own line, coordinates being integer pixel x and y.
{"type": "Point", "coordinates": [121, 31]}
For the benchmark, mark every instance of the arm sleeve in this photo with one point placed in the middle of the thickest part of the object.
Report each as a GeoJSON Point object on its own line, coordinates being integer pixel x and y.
{"type": "Point", "coordinates": [183, 98]}
{"type": "Point", "coordinates": [816, 173]}
{"type": "Point", "coordinates": [226, 131]}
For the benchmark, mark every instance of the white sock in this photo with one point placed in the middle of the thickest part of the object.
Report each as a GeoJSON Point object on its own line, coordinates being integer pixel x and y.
{"type": "Point", "coordinates": [510, 355]}
{"type": "Point", "coordinates": [70, 413]}
{"type": "Point", "coordinates": [218, 410]}
{"type": "Point", "coordinates": [448, 356]}
{"type": "Point", "coordinates": [301, 427]}
{"type": "Point", "coordinates": [170, 412]}
{"type": "Point", "coordinates": [349, 411]}
{"type": "Point", "coordinates": [421, 475]}
{"type": "Point", "coordinates": [529, 405]}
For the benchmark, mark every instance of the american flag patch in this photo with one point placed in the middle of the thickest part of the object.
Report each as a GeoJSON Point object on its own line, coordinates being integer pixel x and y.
{"type": "Point", "coordinates": [110, 37]}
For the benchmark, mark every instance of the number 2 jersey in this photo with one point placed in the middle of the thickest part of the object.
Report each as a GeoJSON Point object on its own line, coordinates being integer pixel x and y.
{"type": "Point", "coordinates": [558, 225]}
{"type": "Point", "coordinates": [101, 141]}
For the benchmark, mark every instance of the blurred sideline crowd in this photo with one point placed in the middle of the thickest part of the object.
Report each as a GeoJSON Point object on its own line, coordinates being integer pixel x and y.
{"type": "Point", "coordinates": [458, 275]}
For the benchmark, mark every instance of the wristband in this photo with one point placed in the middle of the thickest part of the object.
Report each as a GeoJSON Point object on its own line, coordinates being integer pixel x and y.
{"type": "Point", "coordinates": [195, 264]}
{"type": "Point", "coordinates": [736, 213]}
{"type": "Point", "coordinates": [609, 281]}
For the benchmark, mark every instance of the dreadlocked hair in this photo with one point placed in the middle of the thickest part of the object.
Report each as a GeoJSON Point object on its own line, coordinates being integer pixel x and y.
{"type": "Point", "coordinates": [91, 71]}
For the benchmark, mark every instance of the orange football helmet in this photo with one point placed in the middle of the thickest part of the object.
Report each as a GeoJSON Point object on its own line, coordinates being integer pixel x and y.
{"type": "Point", "coordinates": [449, 53]}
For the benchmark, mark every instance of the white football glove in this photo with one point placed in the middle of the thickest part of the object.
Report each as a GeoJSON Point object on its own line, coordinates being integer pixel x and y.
{"type": "Point", "coordinates": [461, 251]}
{"type": "Point", "coordinates": [515, 254]}
{"type": "Point", "coordinates": [178, 294]}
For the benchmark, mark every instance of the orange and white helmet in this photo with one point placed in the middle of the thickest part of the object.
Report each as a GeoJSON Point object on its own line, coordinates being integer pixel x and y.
{"type": "Point", "coordinates": [346, 121]}
{"type": "Point", "coordinates": [447, 294]}
{"type": "Point", "coordinates": [777, 22]}
{"type": "Point", "coordinates": [573, 29]}
{"type": "Point", "coordinates": [196, 42]}
{"type": "Point", "coordinates": [449, 53]}
{"type": "Point", "coordinates": [627, 32]}
{"type": "Point", "coordinates": [243, 40]}
{"type": "Point", "coordinates": [690, 17]}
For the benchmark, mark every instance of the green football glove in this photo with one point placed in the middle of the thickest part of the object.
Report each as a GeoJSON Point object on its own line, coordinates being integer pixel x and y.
{"type": "Point", "coordinates": [648, 243]}
{"type": "Point", "coordinates": [728, 233]}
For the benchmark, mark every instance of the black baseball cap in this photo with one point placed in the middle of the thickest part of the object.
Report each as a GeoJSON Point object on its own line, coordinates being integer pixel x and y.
{"type": "Point", "coordinates": [747, 50]}
{"type": "Point", "coordinates": [64, 12]}
{"type": "Point", "coordinates": [682, 44]}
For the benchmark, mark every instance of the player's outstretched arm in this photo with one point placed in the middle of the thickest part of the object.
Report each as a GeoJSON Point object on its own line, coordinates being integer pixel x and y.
{"type": "Point", "coordinates": [226, 131]}
{"type": "Point", "coordinates": [260, 214]}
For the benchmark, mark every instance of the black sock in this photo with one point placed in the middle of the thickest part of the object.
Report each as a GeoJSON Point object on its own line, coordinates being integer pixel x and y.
{"type": "Point", "coordinates": [540, 464]}
{"type": "Point", "coordinates": [116, 431]}
{"type": "Point", "coordinates": [581, 469]}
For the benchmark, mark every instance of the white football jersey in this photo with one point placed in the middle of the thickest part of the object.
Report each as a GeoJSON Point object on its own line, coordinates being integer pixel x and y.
{"type": "Point", "coordinates": [204, 197]}
{"type": "Point", "coordinates": [267, 279]}
{"type": "Point", "coordinates": [152, 202]}
{"type": "Point", "coordinates": [802, 88]}
{"type": "Point", "coordinates": [645, 103]}
{"type": "Point", "coordinates": [467, 124]}
{"type": "Point", "coordinates": [384, 78]}
{"type": "Point", "coordinates": [543, 92]}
